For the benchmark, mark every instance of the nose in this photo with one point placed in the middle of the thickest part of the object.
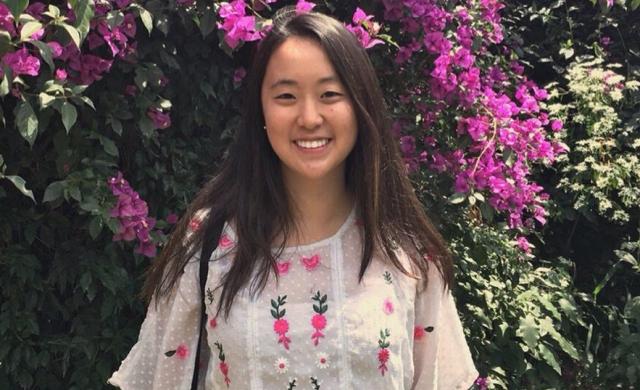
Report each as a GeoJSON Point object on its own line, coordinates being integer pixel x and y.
{"type": "Point", "coordinates": [310, 115]}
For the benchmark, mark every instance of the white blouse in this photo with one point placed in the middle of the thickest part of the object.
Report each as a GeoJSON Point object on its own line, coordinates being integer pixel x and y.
{"type": "Point", "coordinates": [316, 328]}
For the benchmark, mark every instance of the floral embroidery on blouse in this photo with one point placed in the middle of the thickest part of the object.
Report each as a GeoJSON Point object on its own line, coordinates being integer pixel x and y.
{"type": "Point", "coordinates": [319, 321]}
{"type": "Point", "coordinates": [387, 306]}
{"type": "Point", "coordinates": [292, 383]}
{"type": "Point", "coordinates": [225, 242]}
{"type": "Point", "coordinates": [322, 360]}
{"type": "Point", "coordinates": [194, 224]}
{"type": "Point", "coordinates": [387, 277]}
{"type": "Point", "coordinates": [181, 352]}
{"type": "Point", "coordinates": [210, 296]}
{"type": "Point", "coordinates": [213, 323]}
{"type": "Point", "coordinates": [383, 351]}
{"type": "Point", "coordinates": [310, 263]}
{"type": "Point", "coordinates": [280, 325]}
{"type": "Point", "coordinates": [315, 383]}
{"type": "Point", "coordinates": [283, 267]}
{"type": "Point", "coordinates": [223, 366]}
{"type": "Point", "coordinates": [419, 332]}
{"type": "Point", "coordinates": [281, 365]}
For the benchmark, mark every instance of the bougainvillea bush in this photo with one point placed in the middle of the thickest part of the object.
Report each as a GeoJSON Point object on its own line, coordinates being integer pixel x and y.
{"type": "Point", "coordinates": [114, 112]}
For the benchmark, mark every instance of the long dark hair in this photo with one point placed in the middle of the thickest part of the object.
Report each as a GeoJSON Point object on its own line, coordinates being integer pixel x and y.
{"type": "Point", "coordinates": [250, 191]}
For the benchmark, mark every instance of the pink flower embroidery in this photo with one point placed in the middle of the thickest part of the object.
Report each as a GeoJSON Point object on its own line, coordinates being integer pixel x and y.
{"type": "Point", "coordinates": [383, 352]}
{"type": "Point", "coordinates": [181, 352]}
{"type": "Point", "coordinates": [310, 263]}
{"type": "Point", "coordinates": [223, 366]}
{"type": "Point", "coordinates": [419, 332]}
{"type": "Point", "coordinates": [319, 321]}
{"type": "Point", "coordinates": [194, 224]}
{"type": "Point", "coordinates": [280, 325]}
{"type": "Point", "coordinates": [225, 242]}
{"type": "Point", "coordinates": [213, 323]}
{"type": "Point", "coordinates": [387, 306]}
{"type": "Point", "coordinates": [283, 267]}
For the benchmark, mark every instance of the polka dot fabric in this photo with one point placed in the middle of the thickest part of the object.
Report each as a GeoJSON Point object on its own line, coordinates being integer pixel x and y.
{"type": "Point", "coordinates": [314, 327]}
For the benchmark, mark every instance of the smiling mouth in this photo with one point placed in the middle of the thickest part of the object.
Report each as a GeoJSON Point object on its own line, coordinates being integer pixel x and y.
{"type": "Point", "coordinates": [312, 144]}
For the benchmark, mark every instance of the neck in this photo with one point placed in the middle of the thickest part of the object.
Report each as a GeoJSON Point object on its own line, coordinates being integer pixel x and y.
{"type": "Point", "coordinates": [319, 207]}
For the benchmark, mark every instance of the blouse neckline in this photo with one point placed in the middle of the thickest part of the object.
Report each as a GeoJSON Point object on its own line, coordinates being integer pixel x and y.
{"type": "Point", "coordinates": [312, 245]}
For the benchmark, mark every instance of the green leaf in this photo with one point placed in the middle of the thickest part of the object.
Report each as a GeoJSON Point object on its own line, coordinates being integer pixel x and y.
{"type": "Point", "coordinates": [95, 227]}
{"type": "Point", "coordinates": [28, 30]}
{"type": "Point", "coordinates": [4, 85]}
{"type": "Point", "coordinates": [45, 99]}
{"type": "Point", "coordinates": [146, 18]}
{"type": "Point", "coordinates": [73, 33]}
{"type": "Point", "coordinates": [27, 121]}
{"type": "Point", "coordinates": [83, 9]}
{"type": "Point", "coordinates": [528, 331]}
{"type": "Point", "coordinates": [549, 357]}
{"type": "Point", "coordinates": [116, 125]}
{"type": "Point", "coordinates": [69, 115]}
{"type": "Point", "coordinates": [53, 191]}
{"type": "Point", "coordinates": [109, 146]}
{"type": "Point", "coordinates": [20, 185]}
{"type": "Point", "coordinates": [457, 198]}
{"type": "Point", "coordinates": [16, 7]}
{"type": "Point", "coordinates": [208, 22]}
{"type": "Point", "coordinates": [45, 53]}
{"type": "Point", "coordinates": [635, 4]}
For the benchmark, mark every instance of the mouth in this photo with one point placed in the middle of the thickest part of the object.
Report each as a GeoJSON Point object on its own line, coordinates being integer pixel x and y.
{"type": "Point", "coordinates": [312, 144]}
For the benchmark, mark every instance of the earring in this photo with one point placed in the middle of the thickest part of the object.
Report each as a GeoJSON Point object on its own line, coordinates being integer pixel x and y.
{"type": "Point", "coordinates": [264, 127]}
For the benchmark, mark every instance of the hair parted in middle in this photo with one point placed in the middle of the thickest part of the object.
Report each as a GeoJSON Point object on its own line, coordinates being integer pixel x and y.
{"type": "Point", "coordinates": [249, 188]}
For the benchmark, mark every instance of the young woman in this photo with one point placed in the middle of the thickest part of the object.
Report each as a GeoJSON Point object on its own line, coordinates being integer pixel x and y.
{"type": "Point", "coordinates": [327, 273]}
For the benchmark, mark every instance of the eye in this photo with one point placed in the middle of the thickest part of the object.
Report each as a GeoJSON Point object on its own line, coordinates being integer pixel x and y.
{"type": "Point", "coordinates": [285, 96]}
{"type": "Point", "coordinates": [331, 94]}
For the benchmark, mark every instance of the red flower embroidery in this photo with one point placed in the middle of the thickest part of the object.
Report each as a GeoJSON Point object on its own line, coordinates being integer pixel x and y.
{"type": "Point", "coordinates": [383, 352]}
{"type": "Point", "coordinates": [194, 224]}
{"type": "Point", "coordinates": [283, 267]}
{"type": "Point", "coordinates": [223, 366]}
{"type": "Point", "coordinates": [387, 306]}
{"type": "Point", "coordinates": [319, 321]}
{"type": "Point", "coordinates": [310, 263]}
{"type": "Point", "coordinates": [213, 323]}
{"type": "Point", "coordinates": [225, 242]}
{"type": "Point", "coordinates": [419, 332]}
{"type": "Point", "coordinates": [181, 352]}
{"type": "Point", "coordinates": [280, 325]}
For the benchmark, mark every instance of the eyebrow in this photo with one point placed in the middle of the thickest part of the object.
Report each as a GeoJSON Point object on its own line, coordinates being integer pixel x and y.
{"type": "Point", "coordinates": [293, 83]}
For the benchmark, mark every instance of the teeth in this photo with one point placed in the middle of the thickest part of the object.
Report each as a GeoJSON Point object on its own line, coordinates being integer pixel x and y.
{"type": "Point", "coordinates": [312, 144]}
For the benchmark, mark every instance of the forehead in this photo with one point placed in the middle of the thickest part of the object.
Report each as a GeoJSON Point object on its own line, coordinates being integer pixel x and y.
{"type": "Point", "coordinates": [300, 59]}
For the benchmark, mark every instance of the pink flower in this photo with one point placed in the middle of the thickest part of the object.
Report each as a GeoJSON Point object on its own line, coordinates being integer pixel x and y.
{"type": "Point", "coordinates": [129, 25]}
{"type": "Point", "coordinates": [418, 333]}
{"type": "Point", "coordinates": [225, 242]}
{"type": "Point", "coordinates": [21, 62]}
{"type": "Point", "coordinates": [310, 263]}
{"type": "Point", "coordinates": [6, 20]}
{"type": "Point", "coordinates": [61, 74]}
{"type": "Point", "coordinates": [160, 119]}
{"type": "Point", "coordinates": [383, 355]}
{"type": "Point", "coordinates": [56, 49]}
{"type": "Point", "coordinates": [130, 90]}
{"type": "Point", "coordinates": [556, 125]}
{"type": "Point", "coordinates": [303, 6]}
{"type": "Point", "coordinates": [172, 218]}
{"type": "Point", "coordinates": [281, 326]}
{"type": "Point", "coordinates": [387, 306]}
{"type": "Point", "coordinates": [318, 321]}
{"type": "Point", "coordinates": [182, 351]}
{"type": "Point", "coordinates": [283, 267]}
{"type": "Point", "coordinates": [213, 323]}
{"type": "Point", "coordinates": [523, 244]}
{"type": "Point", "coordinates": [194, 224]}
{"type": "Point", "coordinates": [239, 74]}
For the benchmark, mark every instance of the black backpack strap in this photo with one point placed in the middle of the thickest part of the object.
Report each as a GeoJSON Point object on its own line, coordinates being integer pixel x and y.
{"type": "Point", "coordinates": [209, 244]}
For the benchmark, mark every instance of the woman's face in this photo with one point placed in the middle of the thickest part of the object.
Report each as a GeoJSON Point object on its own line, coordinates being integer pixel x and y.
{"type": "Point", "coordinates": [310, 120]}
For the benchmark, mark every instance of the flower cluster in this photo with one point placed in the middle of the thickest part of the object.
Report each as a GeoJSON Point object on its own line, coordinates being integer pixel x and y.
{"type": "Point", "coordinates": [240, 27]}
{"type": "Point", "coordinates": [131, 212]}
{"type": "Point", "coordinates": [498, 112]}
{"type": "Point", "coordinates": [80, 65]}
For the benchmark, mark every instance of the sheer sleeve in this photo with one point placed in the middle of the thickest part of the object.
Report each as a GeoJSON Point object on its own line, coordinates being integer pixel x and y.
{"type": "Point", "coordinates": [441, 355]}
{"type": "Point", "coordinates": [163, 357]}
